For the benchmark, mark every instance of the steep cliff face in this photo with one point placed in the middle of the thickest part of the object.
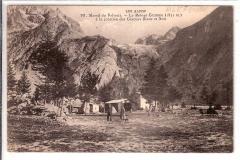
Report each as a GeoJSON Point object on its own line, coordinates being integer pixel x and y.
{"type": "Point", "coordinates": [91, 54]}
{"type": "Point", "coordinates": [134, 61]}
{"type": "Point", "coordinates": [203, 51]}
{"type": "Point", "coordinates": [108, 60]}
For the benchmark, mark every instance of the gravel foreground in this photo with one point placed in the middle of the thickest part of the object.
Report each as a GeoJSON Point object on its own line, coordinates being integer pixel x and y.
{"type": "Point", "coordinates": [142, 133]}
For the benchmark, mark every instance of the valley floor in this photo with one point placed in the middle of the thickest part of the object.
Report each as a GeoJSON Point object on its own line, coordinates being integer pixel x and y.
{"type": "Point", "coordinates": [142, 133]}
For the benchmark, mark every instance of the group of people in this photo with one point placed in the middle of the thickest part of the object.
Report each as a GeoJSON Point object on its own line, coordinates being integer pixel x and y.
{"type": "Point", "coordinates": [122, 112]}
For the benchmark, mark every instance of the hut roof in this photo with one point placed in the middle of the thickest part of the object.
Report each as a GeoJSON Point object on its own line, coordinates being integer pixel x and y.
{"type": "Point", "coordinates": [118, 101]}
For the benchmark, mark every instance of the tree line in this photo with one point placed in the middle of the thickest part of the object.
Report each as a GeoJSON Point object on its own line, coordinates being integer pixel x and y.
{"type": "Point", "coordinates": [56, 77]}
{"type": "Point", "coordinates": [157, 88]}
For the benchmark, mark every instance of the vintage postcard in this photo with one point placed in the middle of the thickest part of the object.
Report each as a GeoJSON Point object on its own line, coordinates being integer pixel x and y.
{"type": "Point", "coordinates": [120, 78]}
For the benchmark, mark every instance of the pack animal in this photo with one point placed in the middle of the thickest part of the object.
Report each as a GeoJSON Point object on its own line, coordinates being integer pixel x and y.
{"type": "Point", "coordinates": [209, 111]}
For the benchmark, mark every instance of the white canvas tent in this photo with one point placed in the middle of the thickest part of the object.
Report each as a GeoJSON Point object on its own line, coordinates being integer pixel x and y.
{"type": "Point", "coordinates": [91, 108]}
{"type": "Point", "coordinates": [143, 103]}
{"type": "Point", "coordinates": [118, 101]}
{"type": "Point", "coordinates": [115, 102]}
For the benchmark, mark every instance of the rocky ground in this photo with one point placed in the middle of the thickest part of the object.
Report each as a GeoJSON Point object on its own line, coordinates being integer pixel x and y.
{"type": "Point", "coordinates": [142, 133]}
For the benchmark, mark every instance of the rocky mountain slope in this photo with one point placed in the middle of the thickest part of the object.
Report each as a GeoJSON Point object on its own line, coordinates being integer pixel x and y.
{"type": "Point", "coordinates": [202, 52]}
{"type": "Point", "coordinates": [198, 53]}
{"type": "Point", "coordinates": [30, 26]}
{"type": "Point", "coordinates": [95, 54]}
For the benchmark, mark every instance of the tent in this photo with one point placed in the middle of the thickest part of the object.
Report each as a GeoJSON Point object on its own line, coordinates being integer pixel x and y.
{"type": "Point", "coordinates": [116, 107]}
{"type": "Point", "coordinates": [91, 108]}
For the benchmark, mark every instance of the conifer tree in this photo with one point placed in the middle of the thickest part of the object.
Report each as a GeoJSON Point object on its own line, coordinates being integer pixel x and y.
{"type": "Point", "coordinates": [227, 97]}
{"type": "Point", "coordinates": [11, 81]}
{"type": "Point", "coordinates": [148, 89]}
{"type": "Point", "coordinates": [173, 94]}
{"type": "Point", "coordinates": [161, 84]}
{"type": "Point", "coordinates": [37, 94]}
{"type": "Point", "coordinates": [87, 87]}
{"type": "Point", "coordinates": [23, 85]}
{"type": "Point", "coordinates": [57, 79]}
{"type": "Point", "coordinates": [11, 84]}
{"type": "Point", "coordinates": [155, 87]}
{"type": "Point", "coordinates": [207, 94]}
{"type": "Point", "coordinates": [186, 85]}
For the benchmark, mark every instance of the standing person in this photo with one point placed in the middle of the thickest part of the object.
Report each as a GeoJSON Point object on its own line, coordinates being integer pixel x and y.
{"type": "Point", "coordinates": [109, 112]}
{"type": "Point", "coordinates": [70, 105]}
{"type": "Point", "coordinates": [149, 109]}
{"type": "Point", "coordinates": [122, 112]}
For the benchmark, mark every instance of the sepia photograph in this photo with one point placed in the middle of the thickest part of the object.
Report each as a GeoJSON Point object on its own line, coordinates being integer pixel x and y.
{"type": "Point", "coordinates": [120, 78]}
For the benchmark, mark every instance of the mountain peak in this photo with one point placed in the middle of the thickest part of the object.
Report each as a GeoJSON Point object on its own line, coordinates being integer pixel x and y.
{"type": "Point", "coordinates": [24, 18]}
{"type": "Point", "coordinates": [171, 33]}
{"type": "Point", "coordinates": [155, 39]}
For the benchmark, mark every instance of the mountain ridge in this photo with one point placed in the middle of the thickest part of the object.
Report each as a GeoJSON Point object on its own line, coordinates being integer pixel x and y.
{"type": "Point", "coordinates": [198, 52]}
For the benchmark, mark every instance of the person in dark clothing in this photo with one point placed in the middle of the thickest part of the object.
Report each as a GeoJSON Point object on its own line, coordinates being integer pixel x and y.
{"type": "Point", "coordinates": [211, 110]}
{"type": "Point", "coordinates": [122, 112]}
{"type": "Point", "coordinates": [109, 112]}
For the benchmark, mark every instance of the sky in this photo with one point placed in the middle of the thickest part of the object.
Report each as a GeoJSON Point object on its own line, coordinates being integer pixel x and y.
{"type": "Point", "coordinates": [130, 31]}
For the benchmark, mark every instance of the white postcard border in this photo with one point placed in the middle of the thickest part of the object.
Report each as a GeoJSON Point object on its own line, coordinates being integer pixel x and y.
{"type": "Point", "coordinates": [140, 156]}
